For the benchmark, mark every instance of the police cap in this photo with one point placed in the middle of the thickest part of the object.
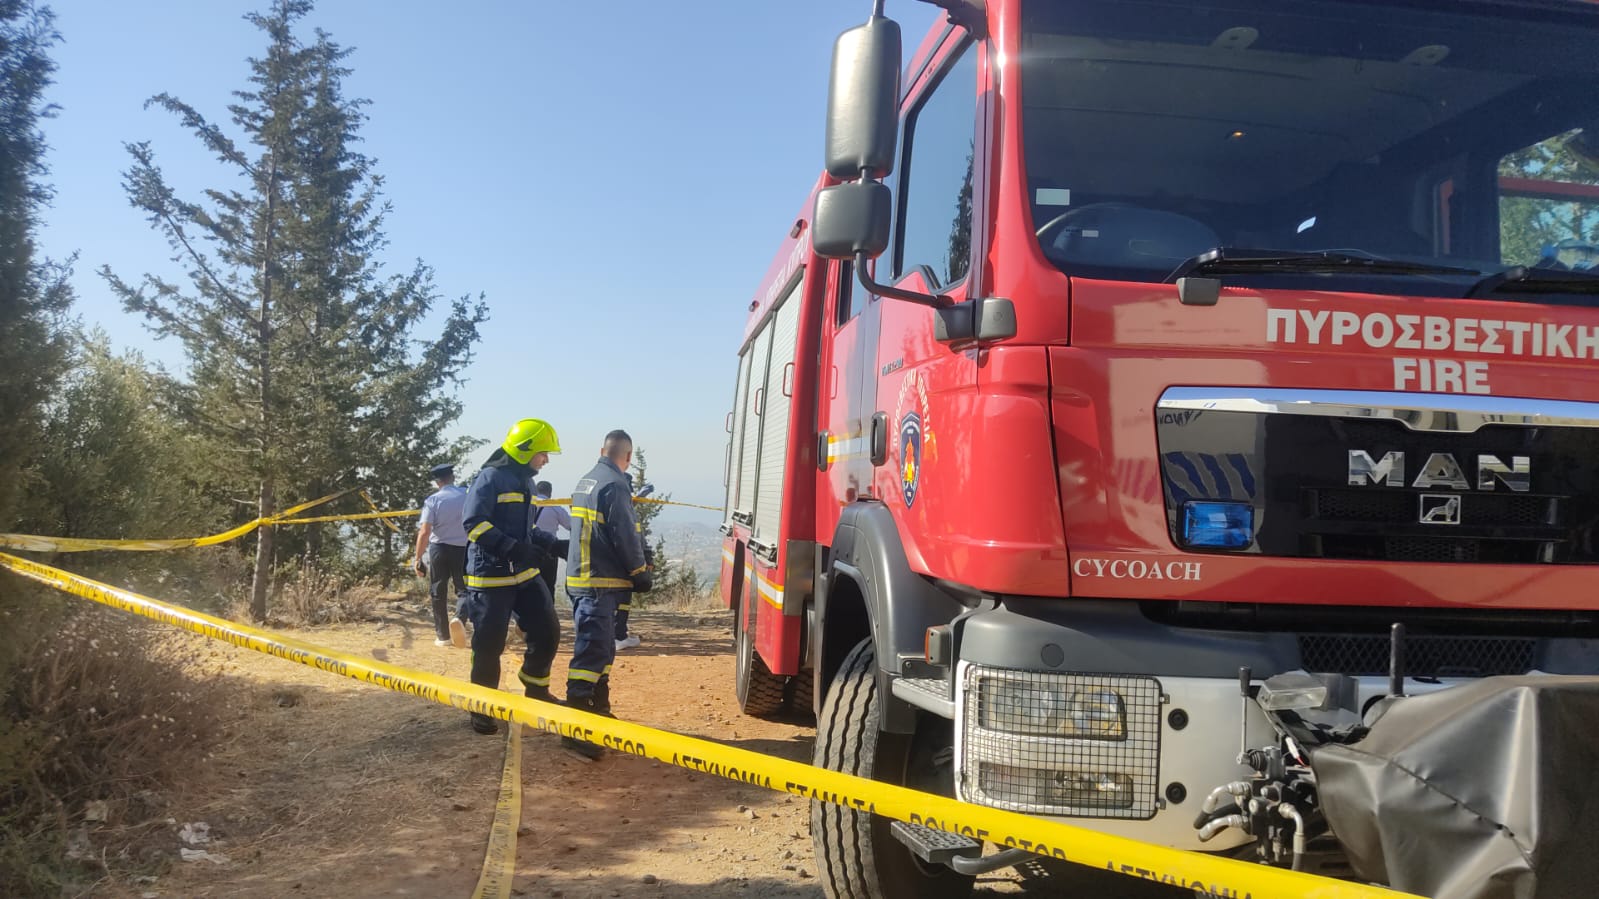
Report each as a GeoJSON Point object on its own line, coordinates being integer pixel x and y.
{"type": "Point", "coordinates": [440, 472]}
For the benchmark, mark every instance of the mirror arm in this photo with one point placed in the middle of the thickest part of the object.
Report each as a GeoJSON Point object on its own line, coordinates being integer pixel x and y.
{"type": "Point", "coordinates": [966, 13]}
{"type": "Point", "coordinates": [936, 301]}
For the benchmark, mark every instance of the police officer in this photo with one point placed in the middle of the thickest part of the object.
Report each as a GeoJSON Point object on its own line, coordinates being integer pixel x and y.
{"type": "Point", "coordinates": [441, 553]}
{"type": "Point", "coordinates": [502, 563]}
{"type": "Point", "coordinates": [604, 564]}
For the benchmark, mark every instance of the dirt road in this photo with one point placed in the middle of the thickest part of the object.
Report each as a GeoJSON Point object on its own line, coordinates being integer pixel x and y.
{"type": "Point", "coordinates": [328, 787]}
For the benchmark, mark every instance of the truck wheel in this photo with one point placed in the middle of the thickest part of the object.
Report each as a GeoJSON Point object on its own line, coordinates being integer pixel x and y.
{"type": "Point", "coordinates": [760, 692]}
{"type": "Point", "coordinates": [857, 853]}
{"type": "Point", "coordinates": [801, 687]}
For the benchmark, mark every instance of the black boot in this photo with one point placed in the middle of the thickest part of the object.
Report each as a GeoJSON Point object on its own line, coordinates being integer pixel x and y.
{"type": "Point", "coordinates": [602, 698]}
{"type": "Point", "coordinates": [582, 748]}
{"type": "Point", "coordinates": [484, 724]}
{"type": "Point", "coordinates": [586, 751]}
{"type": "Point", "coordinates": [542, 694]}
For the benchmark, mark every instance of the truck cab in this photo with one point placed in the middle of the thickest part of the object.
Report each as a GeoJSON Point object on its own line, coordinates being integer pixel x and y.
{"type": "Point", "coordinates": [1127, 356]}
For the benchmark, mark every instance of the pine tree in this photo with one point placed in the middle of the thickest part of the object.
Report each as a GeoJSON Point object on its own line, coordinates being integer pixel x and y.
{"type": "Point", "coordinates": [301, 354]}
{"type": "Point", "coordinates": [34, 295]}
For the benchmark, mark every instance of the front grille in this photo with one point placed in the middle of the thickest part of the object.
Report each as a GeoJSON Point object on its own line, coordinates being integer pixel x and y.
{"type": "Point", "coordinates": [1400, 508]}
{"type": "Point", "coordinates": [1365, 523]}
{"type": "Point", "coordinates": [1425, 656]}
{"type": "Point", "coordinates": [1298, 471]}
{"type": "Point", "coordinates": [1433, 549]}
{"type": "Point", "coordinates": [1055, 744]}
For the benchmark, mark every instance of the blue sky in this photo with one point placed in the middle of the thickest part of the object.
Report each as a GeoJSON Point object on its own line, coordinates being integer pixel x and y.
{"type": "Point", "coordinates": [614, 177]}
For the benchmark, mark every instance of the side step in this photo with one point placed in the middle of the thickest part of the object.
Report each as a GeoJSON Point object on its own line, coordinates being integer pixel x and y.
{"type": "Point", "coordinates": [931, 693]}
{"type": "Point", "coordinates": [936, 847]}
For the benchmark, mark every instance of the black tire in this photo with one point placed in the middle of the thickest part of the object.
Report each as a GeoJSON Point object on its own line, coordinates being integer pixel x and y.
{"type": "Point", "coordinates": [760, 692]}
{"type": "Point", "coordinates": [856, 851]}
{"type": "Point", "coordinates": [801, 693]}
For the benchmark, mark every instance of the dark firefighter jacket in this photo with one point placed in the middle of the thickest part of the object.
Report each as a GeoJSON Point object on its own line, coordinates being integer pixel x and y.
{"type": "Point", "coordinates": [606, 552]}
{"type": "Point", "coordinates": [497, 517]}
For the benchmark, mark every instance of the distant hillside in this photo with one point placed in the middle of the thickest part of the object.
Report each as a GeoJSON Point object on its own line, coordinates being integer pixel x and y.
{"type": "Point", "coordinates": [698, 544]}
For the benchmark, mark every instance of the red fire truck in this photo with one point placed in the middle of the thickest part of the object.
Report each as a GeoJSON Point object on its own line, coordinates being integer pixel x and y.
{"type": "Point", "coordinates": [1158, 408]}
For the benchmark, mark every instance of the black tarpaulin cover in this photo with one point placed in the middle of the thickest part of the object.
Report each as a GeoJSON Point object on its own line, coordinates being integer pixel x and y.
{"type": "Point", "coordinates": [1488, 790]}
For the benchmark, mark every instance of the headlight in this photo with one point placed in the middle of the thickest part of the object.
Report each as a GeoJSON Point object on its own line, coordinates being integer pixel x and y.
{"type": "Point", "coordinates": [1019, 707]}
{"type": "Point", "coordinates": [1078, 789]}
{"type": "Point", "coordinates": [1058, 742]}
{"type": "Point", "coordinates": [1098, 714]}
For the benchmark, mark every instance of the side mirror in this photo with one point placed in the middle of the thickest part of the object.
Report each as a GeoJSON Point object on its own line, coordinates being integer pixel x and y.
{"type": "Point", "coordinates": [863, 101]}
{"type": "Point", "coordinates": [851, 219]}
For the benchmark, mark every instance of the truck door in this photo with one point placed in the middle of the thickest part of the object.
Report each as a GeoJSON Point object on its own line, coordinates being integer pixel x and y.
{"type": "Point", "coordinates": [849, 387]}
{"type": "Point", "coordinates": [925, 392]}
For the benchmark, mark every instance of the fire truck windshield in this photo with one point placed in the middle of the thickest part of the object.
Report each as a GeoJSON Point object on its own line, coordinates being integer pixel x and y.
{"type": "Point", "coordinates": [1453, 141]}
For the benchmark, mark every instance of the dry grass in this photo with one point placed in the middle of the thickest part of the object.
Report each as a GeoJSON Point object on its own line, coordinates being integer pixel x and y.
{"type": "Point", "coordinates": [703, 600]}
{"type": "Point", "coordinates": [102, 715]}
{"type": "Point", "coordinates": [306, 597]}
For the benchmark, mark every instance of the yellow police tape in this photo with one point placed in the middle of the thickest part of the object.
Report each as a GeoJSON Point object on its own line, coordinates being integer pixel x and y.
{"type": "Point", "coordinates": [358, 516]}
{"type": "Point", "coordinates": [372, 504]}
{"type": "Point", "coordinates": [35, 543]}
{"type": "Point", "coordinates": [673, 502]}
{"type": "Point", "coordinates": [1204, 874]}
{"type": "Point", "coordinates": [499, 863]}
{"type": "Point", "coordinates": [41, 544]}
{"type": "Point", "coordinates": [567, 501]}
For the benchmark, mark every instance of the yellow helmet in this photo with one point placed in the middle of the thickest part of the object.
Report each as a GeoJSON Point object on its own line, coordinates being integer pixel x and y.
{"type": "Point", "coordinates": [529, 437]}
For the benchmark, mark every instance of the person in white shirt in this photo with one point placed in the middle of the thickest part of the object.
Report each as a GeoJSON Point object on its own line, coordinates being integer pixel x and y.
{"type": "Point", "coordinates": [552, 520]}
{"type": "Point", "coordinates": [441, 553]}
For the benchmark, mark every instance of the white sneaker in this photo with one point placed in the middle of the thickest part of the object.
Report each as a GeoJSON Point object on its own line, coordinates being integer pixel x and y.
{"type": "Point", "coordinates": [438, 642]}
{"type": "Point", "coordinates": [457, 633]}
{"type": "Point", "coordinates": [629, 642]}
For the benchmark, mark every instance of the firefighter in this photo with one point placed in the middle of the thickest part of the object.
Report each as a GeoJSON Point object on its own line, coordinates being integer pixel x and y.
{"type": "Point", "coordinates": [605, 563]}
{"type": "Point", "coordinates": [502, 563]}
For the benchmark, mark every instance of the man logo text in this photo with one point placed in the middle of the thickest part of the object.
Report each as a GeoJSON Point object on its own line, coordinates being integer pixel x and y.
{"type": "Point", "coordinates": [1440, 470]}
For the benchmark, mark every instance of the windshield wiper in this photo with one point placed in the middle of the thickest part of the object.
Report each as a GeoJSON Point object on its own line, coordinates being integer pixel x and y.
{"type": "Point", "coordinates": [1243, 261]}
{"type": "Point", "coordinates": [1523, 279]}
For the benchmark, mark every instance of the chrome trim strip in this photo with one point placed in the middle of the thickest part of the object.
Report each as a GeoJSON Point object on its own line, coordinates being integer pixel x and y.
{"type": "Point", "coordinates": [1455, 413]}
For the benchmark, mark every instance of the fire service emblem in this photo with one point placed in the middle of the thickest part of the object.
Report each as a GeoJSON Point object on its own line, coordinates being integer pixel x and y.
{"type": "Point", "coordinates": [910, 456]}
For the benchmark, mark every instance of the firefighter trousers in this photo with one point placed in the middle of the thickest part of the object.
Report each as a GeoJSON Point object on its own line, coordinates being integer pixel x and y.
{"type": "Point", "coordinates": [490, 611]}
{"type": "Point", "coordinates": [594, 648]}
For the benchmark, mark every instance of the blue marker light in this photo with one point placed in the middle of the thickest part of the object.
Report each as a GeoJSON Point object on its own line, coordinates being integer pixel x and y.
{"type": "Point", "coordinates": [1220, 525]}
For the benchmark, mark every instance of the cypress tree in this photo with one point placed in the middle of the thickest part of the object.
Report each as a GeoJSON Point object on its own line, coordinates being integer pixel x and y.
{"type": "Point", "coordinates": [293, 334]}
{"type": "Point", "coordinates": [34, 295]}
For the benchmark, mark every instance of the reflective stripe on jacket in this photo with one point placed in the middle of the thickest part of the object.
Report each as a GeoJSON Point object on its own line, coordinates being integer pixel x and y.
{"type": "Point", "coordinates": [606, 549]}
{"type": "Point", "coordinates": [497, 516]}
